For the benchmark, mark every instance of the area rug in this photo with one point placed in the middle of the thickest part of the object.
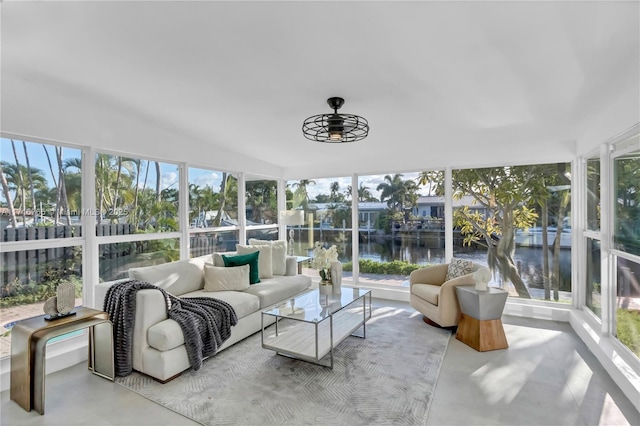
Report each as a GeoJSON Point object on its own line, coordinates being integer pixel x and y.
{"type": "Point", "coordinates": [387, 378]}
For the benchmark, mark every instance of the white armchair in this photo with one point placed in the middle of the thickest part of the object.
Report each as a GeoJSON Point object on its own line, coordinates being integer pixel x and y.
{"type": "Point", "coordinates": [436, 298]}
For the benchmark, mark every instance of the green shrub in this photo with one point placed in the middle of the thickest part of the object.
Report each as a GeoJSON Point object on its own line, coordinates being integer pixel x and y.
{"type": "Point", "coordinates": [16, 293]}
{"type": "Point", "coordinates": [396, 267]}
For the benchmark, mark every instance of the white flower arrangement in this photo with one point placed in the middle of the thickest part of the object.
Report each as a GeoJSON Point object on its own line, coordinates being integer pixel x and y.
{"type": "Point", "coordinates": [322, 259]}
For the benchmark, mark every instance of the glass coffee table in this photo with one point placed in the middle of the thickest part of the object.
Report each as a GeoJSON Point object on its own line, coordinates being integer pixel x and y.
{"type": "Point", "coordinates": [309, 326]}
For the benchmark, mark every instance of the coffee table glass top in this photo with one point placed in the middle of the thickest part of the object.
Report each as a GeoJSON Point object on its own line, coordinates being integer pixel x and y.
{"type": "Point", "coordinates": [314, 307]}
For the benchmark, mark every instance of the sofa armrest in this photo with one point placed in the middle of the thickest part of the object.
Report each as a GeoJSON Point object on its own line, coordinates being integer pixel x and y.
{"type": "Point", "coordinates": [151, 308]}
{"type": "Point", "coordinates": [100, 291]}
{"type": "Point", "coordinates": [434, 275]}
{"type": "Point", "coordinates": [292, 266]}
{"type": "Point", "coordinates": [448, 299]}
{"type": "Point", "coordinates": [448, 288]}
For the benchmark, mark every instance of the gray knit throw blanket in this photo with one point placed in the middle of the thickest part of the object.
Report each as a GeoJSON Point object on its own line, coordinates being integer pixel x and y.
{"type": "Point", "coordinates": [206, 322]}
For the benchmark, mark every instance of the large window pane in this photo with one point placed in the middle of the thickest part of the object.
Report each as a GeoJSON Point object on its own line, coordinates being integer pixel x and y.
{"type": "Point", "coordinates": [593, 292]}
{"type": "Point", "coordinates": [41, 188]}
{"type": "Point", "coordinates": [29, 277]}
{"type": "Point", "coordinates": [401, 225]}
{"type": "Point", "coordinates": [40, 199]}
{"type": "Point", "coordinates": [627, 203]}
{"type": "Point", "coordinates": [262, 209]}
{"type": "Point", "coordinates": [262, 202]}
{"type": "Point", "coordinates": [117, 258]}
{"type": "Point", "coordinates": [516, 220]}
{"type": "Point", "coordinates": [213, 198]}
{"type": "Point", "coordinates": [202, 243]}
{"type": "Point", "coordinates": [628, 304]}
{"type": "Point", "coordinates": [327, 215]}
{"type": "Point", "coordinates": [141, 194]}
{"type": "Point", "coordinates": [593, 194]}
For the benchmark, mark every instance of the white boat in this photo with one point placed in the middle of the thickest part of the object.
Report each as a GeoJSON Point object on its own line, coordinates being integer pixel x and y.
{"type": "Point", "coordinates": [532, 237]}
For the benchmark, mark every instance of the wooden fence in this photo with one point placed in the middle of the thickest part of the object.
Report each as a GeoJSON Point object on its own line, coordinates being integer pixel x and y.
{"type": "Point", "coordinates": [25, 266]}
{"type": "Point", "coordinates": [32, 266]}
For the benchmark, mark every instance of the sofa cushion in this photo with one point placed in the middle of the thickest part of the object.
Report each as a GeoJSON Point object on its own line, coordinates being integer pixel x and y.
{"type": "Point", "coordinates": [428, 292]}
{"type": "Point", "coordinates": [458, 268]}
{"type": "Point", "coordinates": [242, 302]}
{"type": "Point", "coordinates": [167, 334]}
{"type": "Point", "coordinates": [250, 259]}
{"type": "Point", "coordinates": [220, 278]}
{"type": "Point", "coordinates": [177, 277]}
{"type": "Point", "coordinates": [264, 260]}
{"type": "Point", "coordinates": [217, 257]}
{"type": "Point", "coordinates": [278, 254]}
{"type": "Point", "coordinates": [273, 290]}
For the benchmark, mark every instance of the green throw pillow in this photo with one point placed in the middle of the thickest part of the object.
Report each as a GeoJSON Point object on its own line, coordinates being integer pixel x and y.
{"type": "Point", "coordinates": [250, 259]}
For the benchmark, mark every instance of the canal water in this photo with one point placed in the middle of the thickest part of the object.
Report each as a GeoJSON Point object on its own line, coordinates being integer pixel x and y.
{"type": "Point", "coordinates": [528, 260]}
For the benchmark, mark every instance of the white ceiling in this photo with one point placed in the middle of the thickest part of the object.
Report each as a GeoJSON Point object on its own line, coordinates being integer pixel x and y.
{"type": "Point", "coordinates": [228, 84]}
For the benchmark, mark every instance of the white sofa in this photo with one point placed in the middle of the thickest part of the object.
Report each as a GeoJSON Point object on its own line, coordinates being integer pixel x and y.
{"type": "Point", "coordinates": [158, 343]}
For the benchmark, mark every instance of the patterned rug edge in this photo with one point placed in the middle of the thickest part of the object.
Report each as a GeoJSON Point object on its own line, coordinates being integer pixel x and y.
{"type": "Point", "coordinates": [122, 384]}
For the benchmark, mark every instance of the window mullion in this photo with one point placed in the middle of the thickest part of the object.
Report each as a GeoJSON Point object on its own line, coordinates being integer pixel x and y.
{"type": "Point", "coordinates": [606, 227]}
{"type": "Point", "coordinates": [90, 258]}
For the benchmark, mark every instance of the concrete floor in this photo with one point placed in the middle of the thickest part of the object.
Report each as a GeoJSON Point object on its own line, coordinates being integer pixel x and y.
{"type": "Point", "coordinates": [546, 377]}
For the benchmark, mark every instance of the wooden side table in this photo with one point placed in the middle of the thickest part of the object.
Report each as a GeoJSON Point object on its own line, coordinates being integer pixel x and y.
{"type": "Point", "coordinates": [480, 325]}
{"type": "Point", "coordinates": [28, 352]}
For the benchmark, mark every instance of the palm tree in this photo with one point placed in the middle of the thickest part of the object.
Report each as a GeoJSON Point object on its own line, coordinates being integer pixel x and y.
{"type": "Point", "coordinates": [259, 194]}
{"type": "Point", "coordinates": [33, 193]}
{"type": "Point", "coordinates": [430, 179]}
{"type": "Point", "coordinates": [134, 210]}
{"type": "Point", "coordinates": [401, 195]}
{"type": "Point", "coordinates": [21, 188]}
{"type": "Point", "coordinates": [62, 186]}
{"type": "Point", "coordinates": [223, 199]}
{"type": "Point", "coordinates": [13, 174]}
{"type": "Point", "coordinates": [392, 191]}
{"type": "Point", "coordinates": [335, 187]}
{"type": "Point", "coordinates": [158, 176]}
{"type": "Point", "coordinates": [73, 182]}
{"type": "Point", "coordinates": [7, 195]}
{"type": "Point", "coordinates": [364, 194]}
{"type": "Point", "coordinates": [121, 184]}
{"type": "Point", "coordinates": [301, 196]}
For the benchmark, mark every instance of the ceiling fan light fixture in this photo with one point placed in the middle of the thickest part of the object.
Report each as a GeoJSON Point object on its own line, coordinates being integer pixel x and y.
{"type": "Point", "coordinates": [335, 128]}
{"type": "Point", "coordinates": [335, 136]}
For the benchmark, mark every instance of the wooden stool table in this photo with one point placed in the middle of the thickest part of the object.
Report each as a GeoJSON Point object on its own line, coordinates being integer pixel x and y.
{"type": "Point", "coordinates": [28, 352]}
{"type": "Point", "coordinates": [480, 325]}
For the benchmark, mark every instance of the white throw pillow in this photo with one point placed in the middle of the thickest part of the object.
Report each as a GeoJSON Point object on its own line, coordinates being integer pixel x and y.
{"type": "Point", "coordinates": [458, 268]}
{"type": "Point", "coordinates": [264, 258]}
{"type": "Point", "coordinates": [278, 254]}
{"type": "Point", "coordinates": [220, 278]}
{"type": "Point", "coordinates": [179, 277]}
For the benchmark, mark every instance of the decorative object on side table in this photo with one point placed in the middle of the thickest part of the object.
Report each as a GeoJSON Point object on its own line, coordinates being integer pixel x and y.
{"type": "Point", "coordinates": [482, 277]}
{"type": "Point", "coordinates": [62, 304]}
{"type": "Point", "coordinates": [322, 259]}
